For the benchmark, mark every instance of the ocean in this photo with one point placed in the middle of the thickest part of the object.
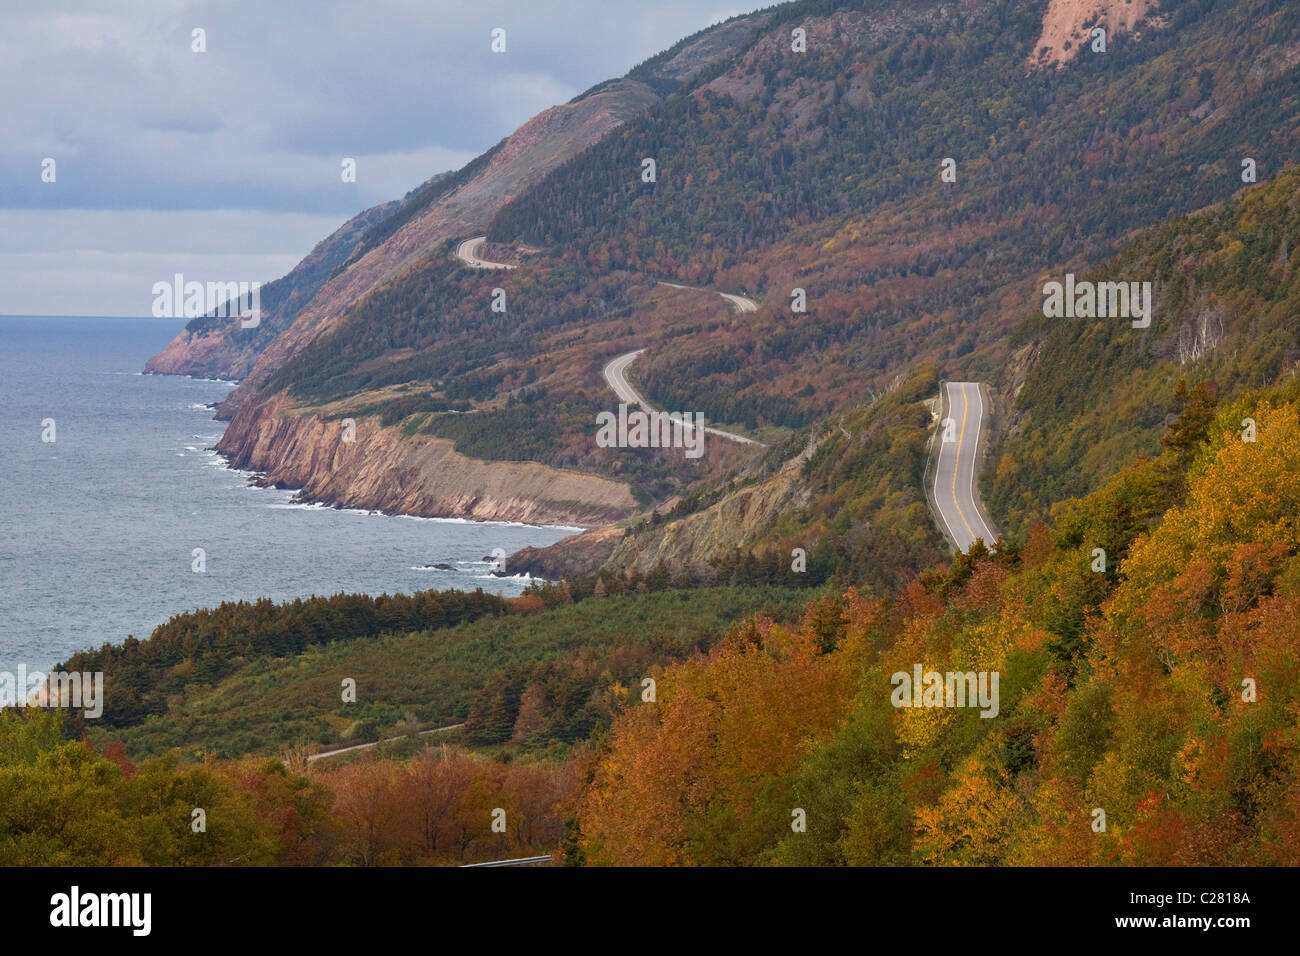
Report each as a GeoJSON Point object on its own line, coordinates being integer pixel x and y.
{"type": "Point", "coordinates": [98, 528]}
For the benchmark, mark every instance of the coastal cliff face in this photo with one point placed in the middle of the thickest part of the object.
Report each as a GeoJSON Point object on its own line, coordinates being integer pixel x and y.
{"type": "Point", "coordinates": [426, 476]}
{"type": "Point", "coordinates": [575, 555]}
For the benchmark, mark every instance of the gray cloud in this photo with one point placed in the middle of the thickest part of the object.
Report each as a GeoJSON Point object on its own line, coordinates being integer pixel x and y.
{"type": "Point", "coordinates": [255, 128]}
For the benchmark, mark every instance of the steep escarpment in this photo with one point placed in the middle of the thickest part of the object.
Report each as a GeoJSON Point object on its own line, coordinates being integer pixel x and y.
{"type": "Point", "coordinates": [702, 540]}
{"type": "Point", "coordinates": [459, 207]}
{"type": "Point", "coordinates": [379, 470]}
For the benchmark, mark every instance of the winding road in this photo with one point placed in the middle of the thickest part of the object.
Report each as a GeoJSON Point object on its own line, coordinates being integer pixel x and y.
{"type": "Point", "coordinates": [617, 380]}
{"type": "Point", "coordinates": [955, 500]}
{"type": "Point", "coordinates": [468, 253]}
{"type": "Point", "coordinates": [741, 303]}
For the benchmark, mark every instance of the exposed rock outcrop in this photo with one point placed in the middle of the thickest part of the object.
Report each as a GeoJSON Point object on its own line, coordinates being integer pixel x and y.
{"type": "Point", "coordinates": [705, 537]}
{"type": "Point", "coordinates": [420, 476]}
{"type": "Point", "coordinates": [1068, 25]}
{"type": "Point", "coordinates": [577, 554]}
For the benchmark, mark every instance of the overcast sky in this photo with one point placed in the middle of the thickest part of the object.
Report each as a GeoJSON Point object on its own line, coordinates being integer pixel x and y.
{"type": "Point", "coordinates": [225, 165]}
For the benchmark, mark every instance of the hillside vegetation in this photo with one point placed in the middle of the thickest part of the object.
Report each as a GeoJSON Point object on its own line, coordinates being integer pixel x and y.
{"type": "Point", "coordinates": [1099, 391]}
{"type": "Point", "coordinates": [521, 674]}
{"type": "Point", "coordinates": [1146, 712]}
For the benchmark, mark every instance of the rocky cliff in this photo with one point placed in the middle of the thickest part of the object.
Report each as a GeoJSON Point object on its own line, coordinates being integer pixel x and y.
{"type": "Point", "coordinates": [425, 476]}
{"type": "Point", "coordinates": [696, 541]}
{"type": "Point", "coordinates": [1068, 26]}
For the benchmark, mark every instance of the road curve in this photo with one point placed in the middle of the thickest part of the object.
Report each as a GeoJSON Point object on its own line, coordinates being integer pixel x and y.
{"type": "Point", "coordinates": [957, 463]}
{"type": "Point", "coordinates": [616, 378]}
{"type": "Point", "coordinates": [467, 252]}
{"type": "Point", "coordinates": [742, 303]}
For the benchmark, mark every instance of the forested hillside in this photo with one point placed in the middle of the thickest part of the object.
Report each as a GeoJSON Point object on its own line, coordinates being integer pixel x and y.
{"type": "Point", "coordinates": [1099, 391]}
{"type": "Point", "coordinates": [1146, 707]}
{"type": "Point", "coordinates": [779, 170]}
{"type": "Point", "coordinates": [534, 673]}
{"type": "Point", "coordinates": [821, 171]}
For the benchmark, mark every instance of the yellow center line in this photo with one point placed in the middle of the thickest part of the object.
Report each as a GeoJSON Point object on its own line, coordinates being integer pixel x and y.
{"type": "Point", "coordinates": [965, 408]}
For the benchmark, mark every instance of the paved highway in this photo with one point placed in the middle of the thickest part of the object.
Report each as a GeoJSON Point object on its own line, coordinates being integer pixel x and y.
{"type": "Point", "coordinates": [615, 377]}
{"type": "Point", "coordinates": [958, 461]}
{"type": "Point", "coordinates": [467, 252]}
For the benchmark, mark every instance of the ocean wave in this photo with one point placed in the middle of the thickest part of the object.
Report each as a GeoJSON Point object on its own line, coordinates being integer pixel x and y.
{"type": "Point", "coordinates": [319, 505]}
{"type": "Point", "coordinates": [481, 523]}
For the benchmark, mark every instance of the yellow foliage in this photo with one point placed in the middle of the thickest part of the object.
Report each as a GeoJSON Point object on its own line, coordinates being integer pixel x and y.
{"type": "Point", "coordinates": [971, 823]}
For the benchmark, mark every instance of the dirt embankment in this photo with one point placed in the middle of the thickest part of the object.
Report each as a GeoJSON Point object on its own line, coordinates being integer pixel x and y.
{"type": "Point", "coordinates": [424, 476]}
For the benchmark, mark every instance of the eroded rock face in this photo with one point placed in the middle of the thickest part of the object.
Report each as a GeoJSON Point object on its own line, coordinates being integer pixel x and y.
{"type": "Point", "coordinates": [706, 537]}
{"type": "Point", "coordinates": [422, 476]}
{"type": "Point", "coordinates": [205, 354]}
{"type": "Point", "coordinates": [1068, 24]}
{"type": "Point", "coordinates": [577, 554]}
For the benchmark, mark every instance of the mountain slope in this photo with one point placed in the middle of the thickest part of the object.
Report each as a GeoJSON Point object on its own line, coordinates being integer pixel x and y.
{"type": "Point", "coordinates": [1099, 392]}
{"type": "Point", "coordinates": [777, 171]}
{"type": "Point", "coordinates": [212, 347]}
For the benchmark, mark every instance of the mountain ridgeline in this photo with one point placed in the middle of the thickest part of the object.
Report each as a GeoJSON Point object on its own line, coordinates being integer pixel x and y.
{"type": "Point", "coordinates": [896, 185]}
{"type": "Point", "coordinates": [911, 172]}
